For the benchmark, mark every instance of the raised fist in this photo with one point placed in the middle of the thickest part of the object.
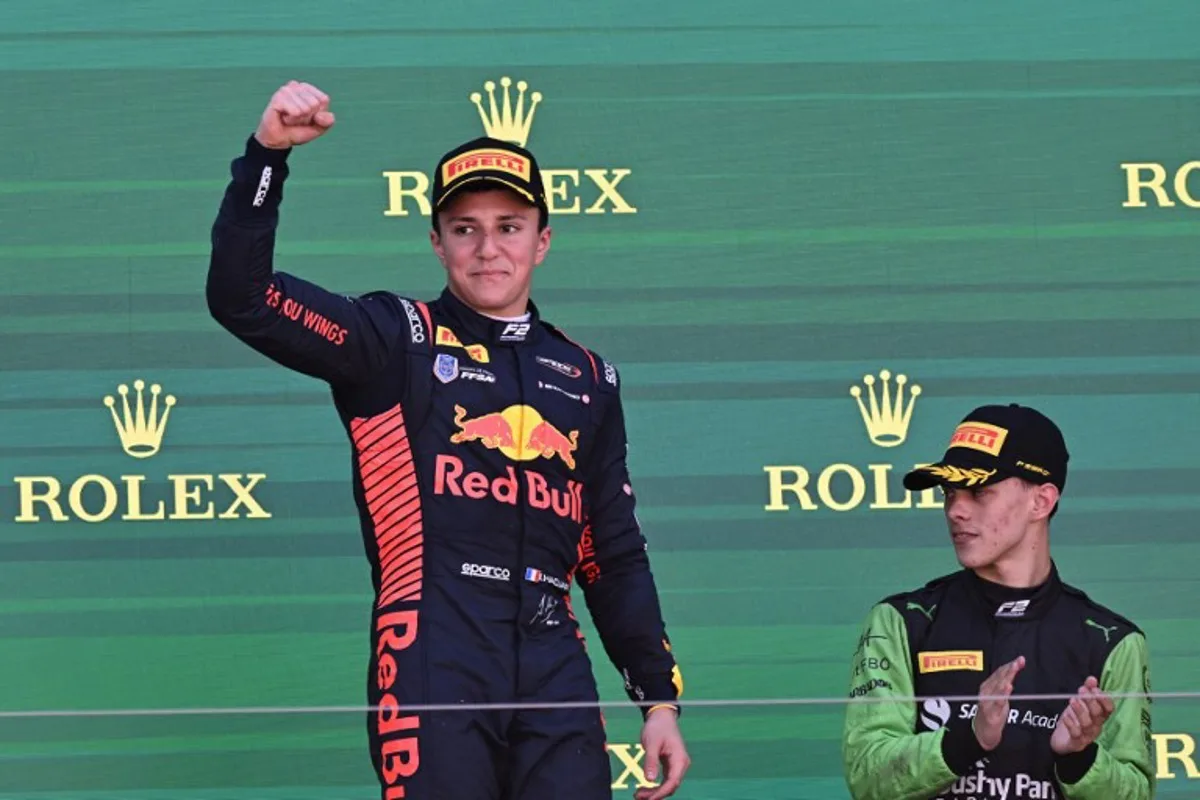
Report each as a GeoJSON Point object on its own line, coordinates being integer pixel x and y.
{"type": "Point", "coordinates": [297, 114]}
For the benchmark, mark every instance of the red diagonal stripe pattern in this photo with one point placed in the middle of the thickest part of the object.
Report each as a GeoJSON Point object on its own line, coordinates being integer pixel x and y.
{"type": "Point", "coordinates": [389, 479]}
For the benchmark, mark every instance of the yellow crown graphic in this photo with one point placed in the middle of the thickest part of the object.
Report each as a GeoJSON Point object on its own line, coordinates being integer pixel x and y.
{"type": "Point", "coordinates": [141, 433]}
{"type": "Point", "coordinates": [886, 421]}
{"type": "Point", "coordinates": [504, 123]}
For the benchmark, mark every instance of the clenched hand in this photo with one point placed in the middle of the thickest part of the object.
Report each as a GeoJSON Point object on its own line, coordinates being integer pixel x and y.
{"type": "Point", "coordinates": [297, 114]}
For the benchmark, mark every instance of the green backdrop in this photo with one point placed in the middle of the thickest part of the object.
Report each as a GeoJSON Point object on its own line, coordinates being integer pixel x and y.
{"type": "Point", "coordinates": [813, 192]}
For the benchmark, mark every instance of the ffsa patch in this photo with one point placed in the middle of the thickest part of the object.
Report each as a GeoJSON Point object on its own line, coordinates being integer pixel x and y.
{"type": "Point", "coordinates": [445, 367]}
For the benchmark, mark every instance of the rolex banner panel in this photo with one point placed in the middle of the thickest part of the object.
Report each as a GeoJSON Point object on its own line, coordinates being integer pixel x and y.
{"type": "Point", "coordinates": [811, 237]}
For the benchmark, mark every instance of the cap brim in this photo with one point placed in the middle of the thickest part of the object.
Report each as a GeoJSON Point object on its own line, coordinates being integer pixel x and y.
{"type": "Point", "coordinates": [501, 182]}
{"type": "Point", "coordinates": [954, 472]}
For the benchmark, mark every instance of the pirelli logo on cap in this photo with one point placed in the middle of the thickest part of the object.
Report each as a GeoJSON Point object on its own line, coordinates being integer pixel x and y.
{"type": "Point", "coordinates": [476, 160]}
{"type": "Point", "coordinates": [979, 436]}
{"type": "Point", "coordinates": [950, 661]}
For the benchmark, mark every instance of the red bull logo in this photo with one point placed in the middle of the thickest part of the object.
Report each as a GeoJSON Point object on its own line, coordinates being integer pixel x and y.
{"type": "Point", "coordinates": [521, 434]}
{"type": "Point", "coordinates": [548, 442]}
{"type": "Point", "coordinates": [399, 733]}
{"type": "Point", "coordinates": [452, 477]}
{"type": "Point", "coordinates": [492, 430]}
{"type": "Point", "coordinates": [506, 431]}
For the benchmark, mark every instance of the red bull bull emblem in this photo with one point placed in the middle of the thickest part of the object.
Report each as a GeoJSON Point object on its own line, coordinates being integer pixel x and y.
{"type": "Point", "coordinates": [505, 431]}
{"type": "Point", "coordinates": [502, 430]}
{"type": "Point", "coordinates": [548, 441]}
{"type": "Point", "coordinates": [492, 430]}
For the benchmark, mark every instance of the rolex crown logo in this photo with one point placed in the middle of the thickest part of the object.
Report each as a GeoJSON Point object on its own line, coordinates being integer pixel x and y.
{"type": "Point", "coordinates": [887, 419]}
{"type": "Point", "coordinates": [505, 123]}
{"type": "Point", "coordinates": [141, 432]}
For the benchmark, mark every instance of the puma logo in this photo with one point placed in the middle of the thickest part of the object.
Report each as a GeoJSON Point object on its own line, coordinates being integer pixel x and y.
{"type": "Point", "coordinates": [911, 606]}
{"type": "Point", "coordinates": [1092, 624]}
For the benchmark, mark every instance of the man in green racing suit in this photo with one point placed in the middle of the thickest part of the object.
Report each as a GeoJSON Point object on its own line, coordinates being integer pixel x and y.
{"type": "Point", "coordinates": [1006, 615]}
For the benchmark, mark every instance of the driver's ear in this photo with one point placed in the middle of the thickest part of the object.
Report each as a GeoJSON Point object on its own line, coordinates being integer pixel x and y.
{"type": "Point", "coordinates": [435, 239]}
{"type": "Point", "coordinates": [1044, 501]}
{"type": "Point", "coordinates": [543, 245]}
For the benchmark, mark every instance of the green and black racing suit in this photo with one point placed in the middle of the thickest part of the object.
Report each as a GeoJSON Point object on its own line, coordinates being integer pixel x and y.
{"type": "Point", "coordinates": [945, 639]}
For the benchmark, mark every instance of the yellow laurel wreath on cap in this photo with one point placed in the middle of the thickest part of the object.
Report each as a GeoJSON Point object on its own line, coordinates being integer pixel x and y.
{"type": "Point", "coordinates": [953, 474]}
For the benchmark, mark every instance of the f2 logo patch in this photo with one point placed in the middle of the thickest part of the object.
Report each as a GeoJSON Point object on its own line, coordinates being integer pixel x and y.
{"type": "Point", "coordinates": [515, 332]}
{"type": "Point", "coordinates": [1013, 608]}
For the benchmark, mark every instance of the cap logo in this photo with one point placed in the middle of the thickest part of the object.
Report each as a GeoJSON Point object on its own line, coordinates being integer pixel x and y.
{"type": "Point", "coordinates": [1033, 468]}
{"type": "Point", "coordinates": [478, 160]}
{"type": "Point", "coordinates": [958, 475]}
{"type": "Point", "coordinates": [979, 436]}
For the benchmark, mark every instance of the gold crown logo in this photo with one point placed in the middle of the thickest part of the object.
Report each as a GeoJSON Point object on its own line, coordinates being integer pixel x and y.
{"type": "Point", "coordinates": [886, 421]}
{"type": "Point", "coordinates": [141, 433]}
{"type": "Point", "coordinates": [504, 123]}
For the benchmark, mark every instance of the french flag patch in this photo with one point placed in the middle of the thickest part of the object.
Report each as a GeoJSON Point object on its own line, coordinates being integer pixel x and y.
{"type": "Point", "coordinates": [533, 575]}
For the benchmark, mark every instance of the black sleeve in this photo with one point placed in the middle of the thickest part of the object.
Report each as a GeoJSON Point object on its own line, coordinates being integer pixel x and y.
{"type": "Point", "coordinates": [294, 322]}
{"type": "Point", "coordinates": [615, 571]}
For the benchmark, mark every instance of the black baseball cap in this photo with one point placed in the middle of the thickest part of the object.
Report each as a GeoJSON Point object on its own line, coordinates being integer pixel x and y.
{"type": "Point", "coordinates": [997, 442]}
{"type": "Point", "coordinates": [496, 161]}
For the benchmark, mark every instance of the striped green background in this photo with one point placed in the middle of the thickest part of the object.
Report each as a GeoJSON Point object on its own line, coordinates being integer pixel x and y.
{"type": "Point", "coordinates": [823, 191]}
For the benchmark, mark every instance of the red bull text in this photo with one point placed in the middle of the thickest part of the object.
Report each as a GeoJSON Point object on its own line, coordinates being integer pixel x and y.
{"type": "Point", "coordinates": [451, 477]}
{"type": "Point", "coordinates": [399, 748]}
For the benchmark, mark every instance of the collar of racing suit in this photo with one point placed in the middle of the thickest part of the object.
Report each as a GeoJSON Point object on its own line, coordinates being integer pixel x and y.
{"type": "Point", "coordinates": [482, 329]}
{"type": "Point", "coordinates": [1016, 603]}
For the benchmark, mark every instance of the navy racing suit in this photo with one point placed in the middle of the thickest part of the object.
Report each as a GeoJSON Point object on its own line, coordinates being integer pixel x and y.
{"type": "Point", "coordinates": [489, 471]}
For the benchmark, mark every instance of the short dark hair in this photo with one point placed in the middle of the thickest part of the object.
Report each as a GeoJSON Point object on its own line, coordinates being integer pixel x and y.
{"type": "Point", "coordinates": [543, 214]}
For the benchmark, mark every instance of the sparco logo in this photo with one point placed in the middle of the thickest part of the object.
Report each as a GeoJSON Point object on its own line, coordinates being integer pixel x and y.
{"type": "Point", "coordinates": [415, 327]}
{"type": "Point", "coordinates": [264, 186]}
{"type": "Point", "coordinates": [486, 571]}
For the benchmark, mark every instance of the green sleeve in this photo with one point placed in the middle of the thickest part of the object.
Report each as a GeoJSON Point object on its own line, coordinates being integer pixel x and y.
{"type": "Point", "coordinates": [883, 756]}
{"type": "Point", "coordinates": [1118, 765]}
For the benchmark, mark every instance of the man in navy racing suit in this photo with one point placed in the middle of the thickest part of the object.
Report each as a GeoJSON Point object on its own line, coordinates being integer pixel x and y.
{"type": "Point", "coordinates": [489, 469]}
